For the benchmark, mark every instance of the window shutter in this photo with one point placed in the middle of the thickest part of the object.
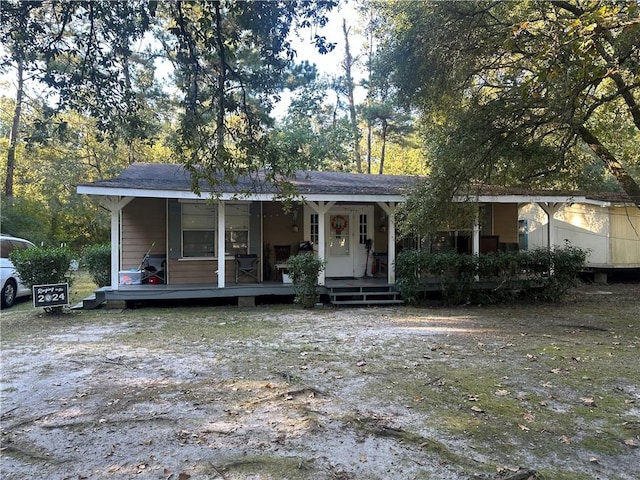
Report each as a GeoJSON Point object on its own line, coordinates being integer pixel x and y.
{"type": "Point", "coordinates": [174, 229]}
{"type": "Point", "coordinates": [255, 226]}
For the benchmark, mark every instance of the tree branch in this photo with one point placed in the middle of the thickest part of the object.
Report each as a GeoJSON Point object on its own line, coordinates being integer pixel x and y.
{"type": "Point", "coordinates": [627, 182]}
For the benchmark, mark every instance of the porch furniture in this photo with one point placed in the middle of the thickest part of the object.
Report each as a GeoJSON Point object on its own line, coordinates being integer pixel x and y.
{"type": "Point", "coordinates": [153, 269]}
{"type": "Point", "coordinates": [247, 266]}
{"type": "Point", "coordinates": [380, 263]}
{"type": "Point", "coordinates": [282, 254]}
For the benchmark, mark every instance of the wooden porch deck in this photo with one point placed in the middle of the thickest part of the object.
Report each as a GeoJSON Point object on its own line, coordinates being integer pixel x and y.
{"type": "Point", "coordinates": [367, 288]}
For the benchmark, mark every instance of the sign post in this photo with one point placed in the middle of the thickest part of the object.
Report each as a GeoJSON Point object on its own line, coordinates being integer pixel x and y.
{"type": "Point", "coordinates": [56, 295]}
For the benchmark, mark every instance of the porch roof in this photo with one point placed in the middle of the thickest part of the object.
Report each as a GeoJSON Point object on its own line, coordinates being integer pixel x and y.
{"type": "Point", "coordinates": [162, 180]}
{"type": "Point", "coordinates": [173, 181]}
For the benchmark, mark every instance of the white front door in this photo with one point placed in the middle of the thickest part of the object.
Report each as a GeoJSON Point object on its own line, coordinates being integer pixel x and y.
{"type": "Point", "coordinates": [346, 231]}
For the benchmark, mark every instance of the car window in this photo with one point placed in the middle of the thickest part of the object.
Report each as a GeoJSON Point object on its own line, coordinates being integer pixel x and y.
{"type": "Point", "coordinates": [6, 247]}
{"type": "Point", "coordinates": [18, 245]}
{"type": "Point", "coordinates": [9, 245]}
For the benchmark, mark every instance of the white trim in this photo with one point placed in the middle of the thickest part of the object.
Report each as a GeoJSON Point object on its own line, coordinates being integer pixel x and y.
{"type": "Point", "coordinates": [330, 197]}
{"type": "Point", "coordinates": [261, 197]}
{"type": "Point", "coordinates": [534, 199]}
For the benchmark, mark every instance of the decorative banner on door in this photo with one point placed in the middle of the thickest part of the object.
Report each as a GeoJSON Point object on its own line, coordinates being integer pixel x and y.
{"type": "Point", "coordinates": [339, 223]}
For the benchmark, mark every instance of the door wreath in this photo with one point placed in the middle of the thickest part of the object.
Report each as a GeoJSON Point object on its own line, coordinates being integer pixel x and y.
{"type": "Point", "coordinates": [339, 223]}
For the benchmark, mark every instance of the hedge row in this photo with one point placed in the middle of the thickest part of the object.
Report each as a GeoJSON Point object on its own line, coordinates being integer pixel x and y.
{"type": "Point", "coordinates": [540, 274]}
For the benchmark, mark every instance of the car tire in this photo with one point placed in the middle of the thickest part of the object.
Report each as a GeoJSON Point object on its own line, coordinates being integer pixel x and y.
{"type": "Point", "coordinates": [9, 293]}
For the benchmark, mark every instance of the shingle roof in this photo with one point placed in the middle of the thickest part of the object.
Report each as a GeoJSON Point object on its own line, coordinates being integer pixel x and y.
{"type": "Point", "coordinates": [172, 177]}
{"type": "Point", "coordinates": [175, 178]}
{"type": "Point", "coordinates": [614, 197]}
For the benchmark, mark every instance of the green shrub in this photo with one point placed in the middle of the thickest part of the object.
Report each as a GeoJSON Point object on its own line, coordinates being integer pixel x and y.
{"type": "Point", "coordinates": [410, 267]}
{"type": "Point", "coordinates": [563, 267]}
{"type": "Point", "coordinates": [304, 270]}
{"type": "Point", "coordinates": [43, 266]}
{"type": "Point", "coordinates": [97, 259]}
{"type": "Point", "coordinates": [541, 274]}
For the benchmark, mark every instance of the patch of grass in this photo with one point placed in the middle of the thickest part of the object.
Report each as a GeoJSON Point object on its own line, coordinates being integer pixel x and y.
{"type": "Point", "coordinates": [266, 466]}
{"type": "Point", "coordinates": [600, 444]}
{"type": "Point", "coordinates": [82, 287]}
{"type": "Point", "coordinates": [546, 474]}
{"type": "Point", "coordinates": [200, 326]}
{"type": "Point", "coordinates": [527, 388]}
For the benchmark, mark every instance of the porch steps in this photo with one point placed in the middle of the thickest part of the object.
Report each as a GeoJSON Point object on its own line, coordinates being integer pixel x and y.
{"type": "Point", "coordinates": [92, 302]}
{"type": "Point", "coordinates": [364, 295]}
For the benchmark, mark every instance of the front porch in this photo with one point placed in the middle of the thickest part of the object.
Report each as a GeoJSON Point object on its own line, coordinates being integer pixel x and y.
{"type": "Point", "coordinates": [344, 291]}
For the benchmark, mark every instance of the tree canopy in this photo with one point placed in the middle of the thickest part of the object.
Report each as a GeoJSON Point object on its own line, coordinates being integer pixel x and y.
{"type": "Point", "coordinates": [521, 93]}
{"type": "Point", "coordinates": [536, 94]}
{"type": "Point", "coordinates": [230, 60]}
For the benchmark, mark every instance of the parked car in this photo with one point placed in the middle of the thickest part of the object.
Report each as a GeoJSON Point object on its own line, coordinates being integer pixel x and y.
{"type": "Point", "coordinates": [12, 287]}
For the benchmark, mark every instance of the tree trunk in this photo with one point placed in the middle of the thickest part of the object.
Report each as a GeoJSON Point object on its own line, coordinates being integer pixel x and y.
{"type": "Point", "coordinates": [385, 126]}
{"type": "Point", "coordinates": [626, 181]}
{"type": "Point", "coordinates": [222, 80]}
{"type": "Point", "coordinates": [348, 64]}
{"type": "Point", "coordinates": [369, 141]}
{"type": "Point", "coordinates": [13, 137]}
{"type": "Point", "coordinates": [369, 99]}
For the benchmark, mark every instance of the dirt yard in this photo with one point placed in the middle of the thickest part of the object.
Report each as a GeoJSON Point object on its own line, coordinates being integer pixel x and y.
{"type": "Point", "coordinates": [275, 392]}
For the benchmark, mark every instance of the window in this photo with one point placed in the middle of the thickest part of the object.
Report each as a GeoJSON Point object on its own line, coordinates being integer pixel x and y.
{"type": "Point", "coordinates": [314, 229]}
{"type": "Point", "coordinates": [198, 230]}
{"type": "Point", "coordinates": [236, 235]}
{"type": "Point", "coordinates": [200, 224]}
{"type": "Point", "coordinates": [363, 229]}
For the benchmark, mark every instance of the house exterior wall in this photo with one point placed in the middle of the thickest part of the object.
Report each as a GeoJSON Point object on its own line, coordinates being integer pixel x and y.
{"type": "Point", "coordinates": [143, 223]}
{"type": "Point", "coordinates": [181, 272]}
{"type": "Point", "coordinates": [278, 229]}
{"type": "Point", "coordinates": [584, 226]}
{"type": "Point", "coordinates": [625, 236]}
{"type": "Point", "coordinates": [184, 272]}
{"type": "Point", "coordinates": [505, 222]}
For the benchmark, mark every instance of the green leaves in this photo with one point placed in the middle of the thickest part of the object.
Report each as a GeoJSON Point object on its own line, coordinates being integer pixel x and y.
{"type": "Point", "coordinates": [511, 86]}
{"type": "Point", "coordinates": [489, 278]}
{"type": "Point", "coordinates": [304, 270]}
{"type": "Point", "coordinates": [41, 266]}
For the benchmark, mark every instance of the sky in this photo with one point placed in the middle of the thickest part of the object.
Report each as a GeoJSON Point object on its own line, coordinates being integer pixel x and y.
{"type": "Point", "coordinates": [330, 63]}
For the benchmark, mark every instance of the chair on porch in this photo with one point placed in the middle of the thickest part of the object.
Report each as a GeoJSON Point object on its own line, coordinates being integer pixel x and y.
{"type": "Point", "coordinates": [282, 254]}
{"type": "Point", "coordinates": [380, 264]}
{"type": "Point", "coordinates": [247, 266]}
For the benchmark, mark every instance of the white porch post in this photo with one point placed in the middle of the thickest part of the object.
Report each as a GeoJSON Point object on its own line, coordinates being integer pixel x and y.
{"type": "Point", "coordinates": [322, 243]}
{"type": "Point", "coordinates": [115, 206]}
{"type": "Point", "coordinates": [115, 248]}
{"type": "Point", "coordinates": [321, 208]}
{"type": "Point", "coordinates": [391, 248]}
{"type": "Point", "coordinates": [221, 245]}
{"type": "Point", "coordinates": [550, 209]}
{"type": "Point", "coordinates": [476, 235]}
{"type": "Point", "coordinates": [390, 210]}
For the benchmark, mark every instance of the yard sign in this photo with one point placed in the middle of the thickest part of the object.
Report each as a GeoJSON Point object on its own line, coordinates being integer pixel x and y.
{"type": "Point", "coordinates": [55, 295]}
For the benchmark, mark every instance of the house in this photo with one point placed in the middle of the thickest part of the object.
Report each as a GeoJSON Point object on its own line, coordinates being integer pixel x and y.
{"type": "Point", "coordinates": [348, 219]}
{"type": "Point", "coordinates": [606, 224]}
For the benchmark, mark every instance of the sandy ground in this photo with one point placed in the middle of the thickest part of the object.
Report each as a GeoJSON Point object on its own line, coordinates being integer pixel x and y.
{"type": "Point", "coordinates": [276, 392]}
